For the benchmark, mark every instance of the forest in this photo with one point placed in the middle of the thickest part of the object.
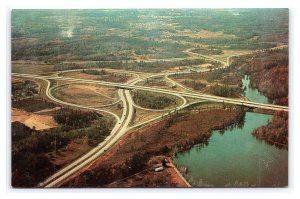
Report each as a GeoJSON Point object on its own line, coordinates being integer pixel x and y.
{"type": "Point", "coordinates": [268, 71]}
{"type": "Point", "coordinates": [153, 100]}
{"type": "Point", "coordinates": [144, 66]}
{"type": "Point", "coordinates": [222, 82]}
{"type": "Point", "coordinates": [104, 75]}
{"type": "Point", "coordinates": [222, 75]}
{"type": "Point", "coordinates": [226, 91]}
{"type": "Point", "coordinates": [34, 152]}
{"type": "Point", "coordinates": [276, 131]}
{"type": "Point", "coordinates": [53, 36]}
{"type": "Point", "coordinates": [23, 89]}
{"type": "Point", "coordinates": [33, 104]}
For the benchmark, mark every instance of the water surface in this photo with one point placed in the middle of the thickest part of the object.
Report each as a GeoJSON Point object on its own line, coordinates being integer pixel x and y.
{"type": "Point", "coordinates": [236, 158]}
{"type": "Point", "coordinates": [253, 94]}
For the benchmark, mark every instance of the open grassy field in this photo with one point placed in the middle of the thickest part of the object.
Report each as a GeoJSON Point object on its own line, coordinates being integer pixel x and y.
{"type": "Point", "coordinates": [88, 95]}
{"type": "Point", "coordinates": [31, 67]}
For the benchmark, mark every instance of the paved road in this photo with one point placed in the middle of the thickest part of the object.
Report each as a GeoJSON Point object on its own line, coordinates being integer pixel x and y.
{"type": "Point", "coordinates": [118, 131]}
{"type": "Point", "coordinates": [225, 64]}
{"type": "Point", "coordinates": [166, 91]}
{"type": "Point", "coordinates": [96, 108]}
{"type": "Point", "coordinates": [161, 116]}
{"type": "Point", "coordinates": [122, 124]}
{"type": "Point", "coordinates": [184, 101]}
{"type": "Point", "coordinates": [189, 52]}
{"type": "Point", "coordinates": [91, 155]}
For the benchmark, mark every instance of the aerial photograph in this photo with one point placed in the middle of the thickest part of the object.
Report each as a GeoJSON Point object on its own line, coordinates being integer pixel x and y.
{"type": "Point", "coordinates": [149, 98]}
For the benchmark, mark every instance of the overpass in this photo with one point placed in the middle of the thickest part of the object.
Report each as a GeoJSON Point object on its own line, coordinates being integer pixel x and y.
{"type": "Point", "coordinates": [164, 91]}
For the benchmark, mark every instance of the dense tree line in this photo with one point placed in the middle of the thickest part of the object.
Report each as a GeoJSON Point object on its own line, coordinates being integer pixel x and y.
{"type": "Point", "coordinates": [94, 72]}
{"type": "Point", "coordinates": [153, 100]}
{"type": "Point", "coordinates": [29, 165]}
{"type": "Point", "coordinates": [268, 71]}
{"type": "Point", "coordinates": [155, 82]}
{"type": "Point", "coordinates": [194, 84]}
{"type": "Point", "coordinates": [23, 89]}
{"type": "Point", "coordinates": [32, 149]}
{"type": "Point", "coordinates": [225, 90]}
{"type": "Point", "coordinates": [224, 82]}
{"type": "Point", "coordinates": [33, 104]}
{"type": "Point", "coordinates": [156, 66]}
{"type": "Point", "coordinates": [222, 75]}
{"type": "Point", "coordinates": [75, 118]}
{"type": "Point", "coordinates": [105, 174]}
{"type": "Point", "coordinates": [107, 76]}
{"type": "Point", "coordinates": [276, 131]}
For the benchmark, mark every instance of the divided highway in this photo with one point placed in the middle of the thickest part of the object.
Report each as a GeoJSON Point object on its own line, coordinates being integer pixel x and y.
{"type": "Point", "coordinates": [78, 164]}
{"type": "Point", "coordinates": [118, 131]}
{"type": "Point", "coordinates": [122, 124]}
{"type": "Point", "coordinates": [166, 91]}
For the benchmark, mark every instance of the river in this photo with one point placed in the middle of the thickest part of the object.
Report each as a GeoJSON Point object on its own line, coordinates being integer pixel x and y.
{"type": "Point", "coordinates": [235, 158]}
{"type": "Point", "coordinates": [253, 94]}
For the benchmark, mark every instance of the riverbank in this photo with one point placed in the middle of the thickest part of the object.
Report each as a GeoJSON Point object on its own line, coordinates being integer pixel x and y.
{"type": "Point", "coordinates": [276, 131]}
{"type": "Point", "coordinates": [268, 73]}
{"type": "Point", "coordinates": [235, 158]}
{"type": "Point", "coordinates": [136, 150]}
{"type": "Point", "coordinates": [168, 177]}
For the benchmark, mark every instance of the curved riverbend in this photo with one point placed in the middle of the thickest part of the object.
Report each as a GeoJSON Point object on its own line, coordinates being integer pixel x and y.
{"type": "Point", "coordinates": [236, 158]}
{"type": "Point", "coordinates": [253, 94]}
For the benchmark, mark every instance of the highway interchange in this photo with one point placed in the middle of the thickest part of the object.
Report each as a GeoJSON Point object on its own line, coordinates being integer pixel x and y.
{"type": "Point", "coordinates": [122, 124]}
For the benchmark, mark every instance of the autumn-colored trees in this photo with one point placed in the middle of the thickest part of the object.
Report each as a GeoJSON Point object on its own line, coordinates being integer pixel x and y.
{"type": "Point", "coordinates": [104, 75]}
{"type": "Point", "coordinates": [222, 82]}
{"type": "Point", "coordinates": [33, 104]}
{"type": "Point", "coordinates": [276, 131]}
{"type": "Point", "coordinates": [268, 72]}
{"type": "Point", "coordinates": [273, 83]}
{"type": "Point", "coordinates": [33, 152]}
{"type": "Point", "coordinates": [226, 91]}
{"type": "Point", "coordinates": [131, 154]}
{"type": "Point", "coordinates": [153, 100]}
{"type": "Point", "coordinates": [23, 89]}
